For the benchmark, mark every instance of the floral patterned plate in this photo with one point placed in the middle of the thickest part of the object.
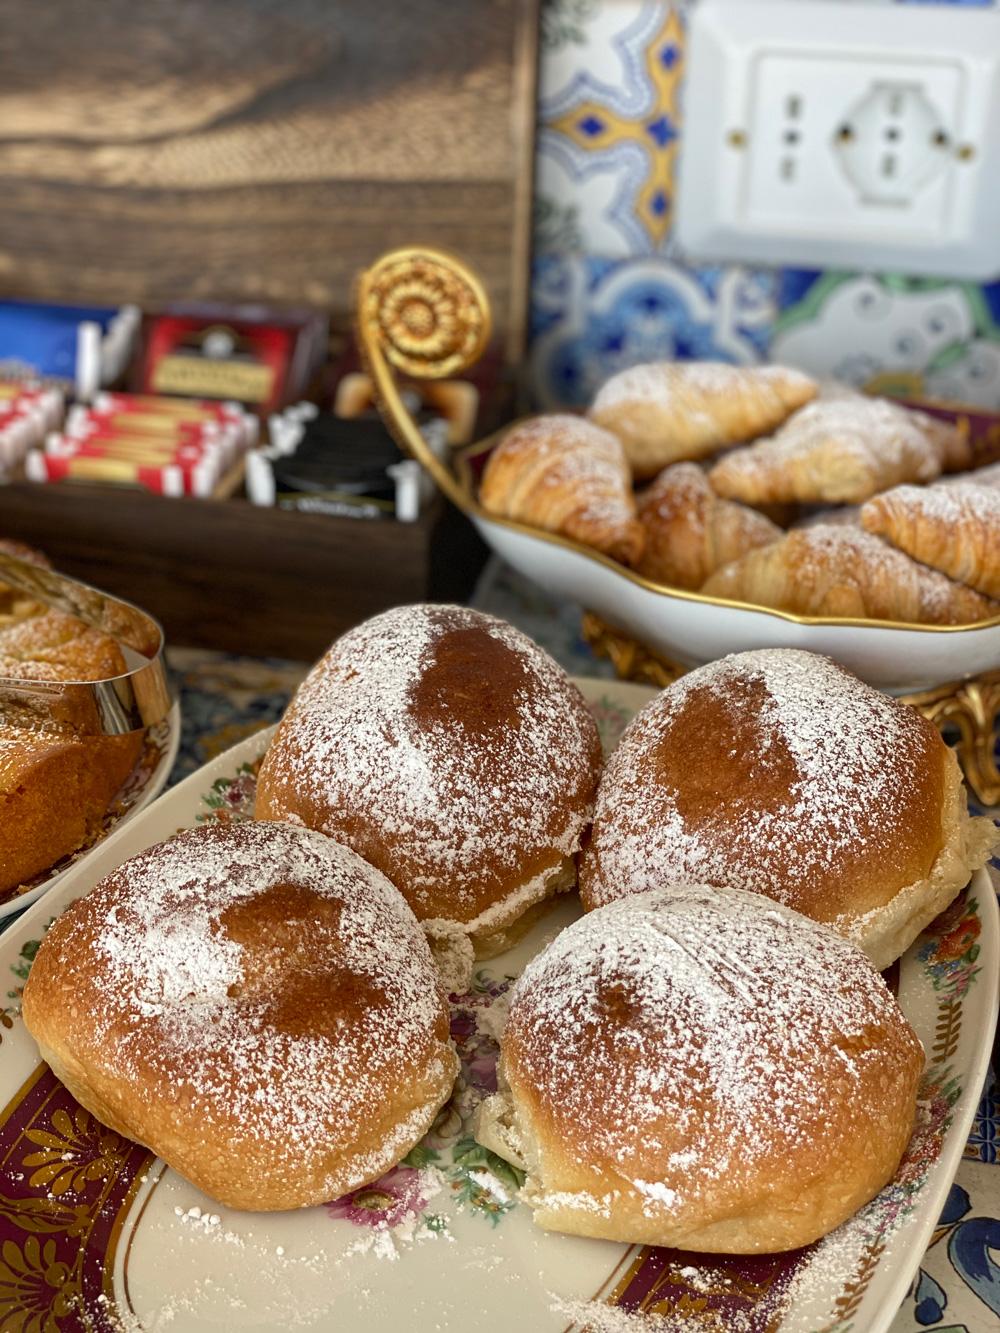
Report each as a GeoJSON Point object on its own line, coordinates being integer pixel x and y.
{"type": "Point", "coordinates": [146, 781]}
{"type": "Point", "coordinates": [97, 1234]}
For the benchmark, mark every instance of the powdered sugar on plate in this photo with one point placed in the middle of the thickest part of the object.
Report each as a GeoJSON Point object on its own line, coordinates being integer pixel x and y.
{"type": "Point", "coordinates": [596, 1317]}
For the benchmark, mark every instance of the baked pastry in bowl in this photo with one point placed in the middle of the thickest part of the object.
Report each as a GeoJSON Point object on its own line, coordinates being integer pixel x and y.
{"type": "Point", "coordinates": [704, 1069]}
{"type": "Point", "coordinates": [839, 450]}
{"type": "Point", "coordinates": [952, 527]}
{"type": "Point", "coordinates": [256, 1005]}
{"type": "Point", "coordinates": [841, 570]}
{"type": "Point", "coordinates": [781, 773]}
{"type": "Point", "coordinates": [668, 411]}
{"type": "Point", "coordinates": [452, 753]}
{"type": "Point", "coordinates": [691, 532]}
{"type": "Point", "coordinates": [57, 778]}
{"type": "Point", "coordinates": [664, 413]}
{"type": "Point", "coordinates": [566, 475]}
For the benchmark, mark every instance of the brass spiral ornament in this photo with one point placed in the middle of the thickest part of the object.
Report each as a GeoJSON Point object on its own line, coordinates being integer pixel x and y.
{"type": "Point", "coordinates": [427, 312]}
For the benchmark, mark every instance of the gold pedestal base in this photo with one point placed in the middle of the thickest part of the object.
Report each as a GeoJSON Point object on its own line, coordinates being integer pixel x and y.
{"type": "Point", "coordinates": [969, 707]}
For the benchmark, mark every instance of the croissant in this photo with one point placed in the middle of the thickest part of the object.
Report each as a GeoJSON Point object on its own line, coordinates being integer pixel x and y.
{"type": "Point", "coordinates": [953, 528]}
{"type": "Point", "coordinates": [847, 572]}
{"type": "Point", "coordinates": [566, 475]}
{"type": "Point", "coordinates": [690, 532]}
{"type": "Point", "coordinates": [667, 411]}
{"type": "Point", "coordinates": [838, 450]}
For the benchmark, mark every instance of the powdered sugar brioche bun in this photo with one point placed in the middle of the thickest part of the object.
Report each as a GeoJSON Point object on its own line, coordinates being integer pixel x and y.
{"type": "Point", "coordinates": [452, 753]}
{"type": "Point", "coordinates": [705, 1069]}
{"type": "Point", "coordinates": [780, 772]}
{"type": "Point", "coordinates": [253, 1003]}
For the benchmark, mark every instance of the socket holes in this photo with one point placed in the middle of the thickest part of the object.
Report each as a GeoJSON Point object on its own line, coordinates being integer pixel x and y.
{"type": "Point", "coordinates": [889, 144]}
{"type": "Point", "coordinates": [791, 137]}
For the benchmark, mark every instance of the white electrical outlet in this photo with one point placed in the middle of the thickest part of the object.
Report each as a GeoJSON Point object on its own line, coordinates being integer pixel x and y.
{"type": "Point", "coordinates": [842, 135]}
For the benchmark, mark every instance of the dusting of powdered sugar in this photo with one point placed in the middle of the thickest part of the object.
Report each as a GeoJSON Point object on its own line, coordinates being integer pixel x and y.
{"type": "Point", "coordinates": [693, 1314]}
{"type": "Point", "coordinates": [546, 437]}
{"type": "Point", "coordinates": [957, 500]}
{"type": "Point", "coordinates": [954, 525]}
{"type": "Point", "coordinates": [890, 584]}
{"type": "Point", "coordinates": [213, 1028]}
{"type": "Point", "coordinates": [446, 805]}
{"type": "Point", "coordinates": [681, 384]}
{"type": "Point", "coordinates": [983, 476]}
{"type": "Point", "coordinates": [596, 1317]}
{"type": "Point", "coordinates": [883, 443]}
{"type": "Point", "coordinates": [685, 1042]}
{"type": "Point", "coordinates": [855, 753]}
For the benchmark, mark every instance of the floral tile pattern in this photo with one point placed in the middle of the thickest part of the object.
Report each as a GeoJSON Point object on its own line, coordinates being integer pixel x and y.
{"type": "Point", "coordinates": [608, 290]}
{"type": "Point", "coordinates": [608, 126]}
{"type": "Point", "coordinates": [226, 698]}
{"type": "Point", "coordinates": [916, 336]}
{"type": "Point", "coordinates": [592, 317]}
{"type": "Point", "coordinates": [609, 287]}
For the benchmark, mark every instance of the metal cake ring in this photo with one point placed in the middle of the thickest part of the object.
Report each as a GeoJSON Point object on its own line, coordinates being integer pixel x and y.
{"type": "Point", "coordinates": [140, 697]}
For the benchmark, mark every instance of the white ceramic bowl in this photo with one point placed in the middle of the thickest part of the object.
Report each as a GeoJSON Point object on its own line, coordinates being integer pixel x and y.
{"type": "Point", "coordinates": [423, 313]}
{"type": "Point", "coordinates": [691, 629]}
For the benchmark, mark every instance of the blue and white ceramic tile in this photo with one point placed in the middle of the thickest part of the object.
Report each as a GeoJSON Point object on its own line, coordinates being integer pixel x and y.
{"type": "Point", "coordinates": [925, 338]}
{"type": "Point", "coordinates": [592, 317]}
{"type": "Point", "coordinates": [608, 120]}
{"type": "Point", "coordinates": [957, 1289]}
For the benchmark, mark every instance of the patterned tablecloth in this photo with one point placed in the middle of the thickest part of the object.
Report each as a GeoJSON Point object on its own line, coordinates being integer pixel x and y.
{"type": "Point", "coordinates": [225, 698]}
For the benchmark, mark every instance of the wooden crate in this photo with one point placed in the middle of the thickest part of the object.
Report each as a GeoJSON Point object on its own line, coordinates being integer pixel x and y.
{"type": "Point", "coordinates": [229, 575]}
{"type": "Point", "coordinates": [243, 150]}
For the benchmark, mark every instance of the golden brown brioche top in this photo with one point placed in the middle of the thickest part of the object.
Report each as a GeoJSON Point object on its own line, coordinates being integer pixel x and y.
{"type": "Point", "coordinates": [775, 771]}
{"type": "Point", "coordinates": [698, 1049]}
{"type": "Point", "coordinates": [56, 646]}
{"type": "Point", "coordinates": [446, 748]}
{"type": "Point", "coordinates": [248, 978]}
